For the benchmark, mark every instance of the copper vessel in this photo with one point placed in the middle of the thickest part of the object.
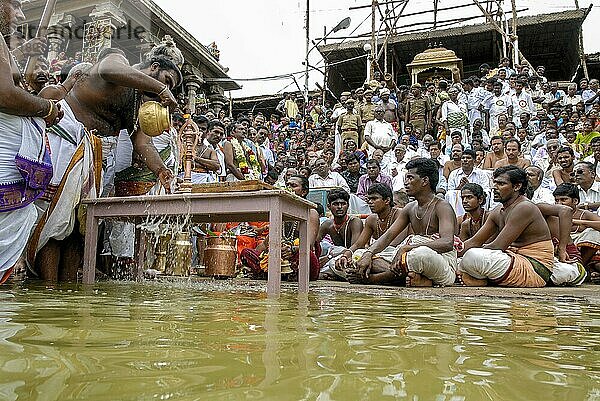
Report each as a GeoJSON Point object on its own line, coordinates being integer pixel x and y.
{"type": "Point", "coordinates": [220, 256]}
{"type": "Point", "coordinates": [182, 254]}
{"type": "Point", "coordinates": [153, 118]}
{"type": "Point", "coordinates": [161, 251]}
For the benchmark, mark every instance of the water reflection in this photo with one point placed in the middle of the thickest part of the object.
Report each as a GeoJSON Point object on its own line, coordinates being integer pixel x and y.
{"type": "Point", "coordinates": [139, 342]}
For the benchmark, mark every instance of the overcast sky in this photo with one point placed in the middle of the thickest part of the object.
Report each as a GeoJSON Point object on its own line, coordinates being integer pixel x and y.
{"type": "Point", "coordinates": [262, 38]}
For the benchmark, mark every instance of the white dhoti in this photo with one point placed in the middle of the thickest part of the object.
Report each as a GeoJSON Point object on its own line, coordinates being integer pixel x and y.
{"type": "Point", "coordinates": [439, 268]}
{"type": "Point", "coordinates": [15, 228]}
{"type": "Point", "coordinates": [78, 179]}
{"type": "Point", "coordinates": [25, 172]}
{"type": "Point", "coordinates": [526, 267]}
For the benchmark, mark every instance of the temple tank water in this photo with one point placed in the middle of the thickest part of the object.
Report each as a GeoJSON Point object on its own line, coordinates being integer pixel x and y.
{"type": "Point", "coordinates": [163, 341]}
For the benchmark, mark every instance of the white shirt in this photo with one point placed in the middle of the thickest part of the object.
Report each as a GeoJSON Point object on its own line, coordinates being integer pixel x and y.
{"type": "Point", "coordinates": [592, 195]}
{"type": "Point", "coordinates": [221, 156]}
{"type": "Point", "coordinates": [542, 195]}
{"type": "Point", "coordinates": [495, 106]}
{"type": "Point", "coordinates": [592, 159]}
{"type": "Point", "coordinates": [520, 104]}
{"type": "Point", "coordinates": [333, 180]}
{"type": "Point", "coordinates": [571, 101]}
{"type": "Point", "coordinates": [381, 133]}
{"type": "Point", "coordinates": [477, 176]}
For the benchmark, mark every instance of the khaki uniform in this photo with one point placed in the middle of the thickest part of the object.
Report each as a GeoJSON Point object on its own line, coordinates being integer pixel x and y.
{"type": "Point", "coordinates": [350, 125]}
{"type": "Point", "coordinates": [367, 112]}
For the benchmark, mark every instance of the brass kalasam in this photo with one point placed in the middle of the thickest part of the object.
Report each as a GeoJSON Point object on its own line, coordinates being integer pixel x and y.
{"type": "Point", "coordinates": [153, 118]}
{"type": "Point", "coordinates": [220, 256]}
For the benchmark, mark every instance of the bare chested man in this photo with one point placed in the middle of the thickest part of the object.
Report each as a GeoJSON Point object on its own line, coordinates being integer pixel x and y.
{"type": "Point", "coordinates": [512, 150]}
{"type": "Point", "coordinates": [344, 230]}
{"type": "Point", "coordinates": [104, 101]}
{"type": "Point", "coordinates": [566, 172]}
{"type": "Point", "coordinates": [380, 201]}
{"type": "Point", "coordinates": [428, 257]}
{"type": "Point", "coordinates": [497, 153]}
{"type": "Point", "coordinates": [522, 253]}
{"type": "Point", "coordinates": [391, 108]}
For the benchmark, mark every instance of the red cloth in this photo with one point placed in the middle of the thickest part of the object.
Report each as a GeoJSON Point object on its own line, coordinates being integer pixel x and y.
{"type": "Point", "coordinates": [251, 258]}
{"type": "Point", "coordinates": [6, 275]}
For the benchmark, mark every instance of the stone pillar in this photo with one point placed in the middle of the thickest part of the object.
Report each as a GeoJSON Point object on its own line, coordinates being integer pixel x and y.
{"type": "Point", "coordinates": [58, 34]}
{"type": "Point", "coordinates": [107, 18]}
{"type": "Point", "coordinates": [216, 98]}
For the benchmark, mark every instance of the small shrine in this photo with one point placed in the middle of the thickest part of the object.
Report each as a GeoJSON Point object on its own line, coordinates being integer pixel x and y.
{"type": "Point", "coordinates": [434, 64]}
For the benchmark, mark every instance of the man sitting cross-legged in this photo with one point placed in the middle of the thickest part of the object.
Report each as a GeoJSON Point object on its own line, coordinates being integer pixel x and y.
{"type": "Point", "coordinates": [585, 232]}
{"type": "Point", "coordinates": [343, 230]}
{"type": "Point", "coordinates": [522, 254]}
{"type": "Point", "coordinates": [428, 257]}
{"type": "Point", "coordinates": [381, 203]}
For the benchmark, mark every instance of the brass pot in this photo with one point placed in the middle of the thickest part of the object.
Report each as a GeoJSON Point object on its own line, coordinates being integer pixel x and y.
{"type": "Point", "coordinates": [182, 254]}
{"type": "Point", "coordinates": [154, 119]}
{"type": "Point", "coordinates": [220, 256]}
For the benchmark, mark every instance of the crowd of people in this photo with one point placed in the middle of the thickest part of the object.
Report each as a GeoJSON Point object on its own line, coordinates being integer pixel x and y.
{"type": "Point", "coordinates": [490, 179]}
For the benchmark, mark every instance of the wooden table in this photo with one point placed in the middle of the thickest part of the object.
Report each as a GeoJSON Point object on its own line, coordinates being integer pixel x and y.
{"type": "Point", "coordinates": [273, 206]}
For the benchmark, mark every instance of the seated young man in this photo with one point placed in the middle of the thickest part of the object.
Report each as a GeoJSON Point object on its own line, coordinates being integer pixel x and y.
{"type": "Point", "coordinates": [522, 253]}
{"type": "Point", "coordinates": [257, 259]}
{"type": "Point", "coordinates": [380, 201]}
{"type": "Point", "coordinates": [428, 257]}
{"type": "Point", "coordinates": [473, 201]}
{"type": "Point", "coordinates": [343, 230]}
{"type": "Point", "coordinates": [586, 224]}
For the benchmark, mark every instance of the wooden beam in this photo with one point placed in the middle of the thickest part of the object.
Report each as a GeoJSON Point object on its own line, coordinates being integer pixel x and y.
{"type": "Point", "coordinates": [497, 28]}
{"type": "Point", "coordinates": [383, 2]}
{"type": "Point", "coordinates": [446, 8]}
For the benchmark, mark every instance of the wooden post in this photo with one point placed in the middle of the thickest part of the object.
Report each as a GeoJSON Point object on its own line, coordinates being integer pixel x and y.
{"type": "Point", "coordinates": [515, 36]}
{"type": "Point", "coordinates": [581, 49]}
{"type": "Point", "coordinates": [373, 43]}
{"type": "Point", "coordinates": [41, 31]}
{"type": "Point", "coordinates": [499, 29]}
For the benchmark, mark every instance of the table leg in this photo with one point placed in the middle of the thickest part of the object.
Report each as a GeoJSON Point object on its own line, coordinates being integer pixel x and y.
{"type": "Point", "coordinates": [140, 252]}
{"type": "Point", "coordinates": [275, 235]}
{"type": "Point", "coordinates": [304, 260]}
{"type": "Point", "coordinates": [91, 245]}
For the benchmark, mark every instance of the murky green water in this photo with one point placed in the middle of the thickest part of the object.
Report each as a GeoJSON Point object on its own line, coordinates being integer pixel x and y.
{"type": "Point", "coordinates": [162, 342]}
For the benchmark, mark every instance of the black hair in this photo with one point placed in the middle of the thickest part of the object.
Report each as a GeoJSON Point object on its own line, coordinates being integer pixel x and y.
{"type": "Point", "coordinates": [303, 182]}
{"type": "Point", "coordinates": [590, 166]}
{"type": "Point", "coordinates": [435, 143]}
{"type": "Point", "coordinates": [470, 152]}
{"type": "Point", "coordinates": [373, 161]}
{"type": "Point", "coordinates": [337, 193]}
{"type": "Point", "coordinates": [383, 190]}
{"type": "Point", "coordinates": [320, 210]}
{"type": "Point", "coordinates": [273, 174]}
{"type": "Point", "coordinates": [164, 64]}
{"type": "Point", "coordinates": [65, 70]}
{"type": "Point", "coordinates": [567, 189]}
{"type": "Point", "coordinates": [496, 137]}
{"type": "Point", "coordinates": [200, 119]}
{"type": "Point", "coordinates": [516, 176]}
{"type": "Point", "coordinates": [515, 141]}
{"type": "Point", "coordinates": [475, 189]}
{"type": "Point", "coordinates": [216, 123]}
{"type": "Point", "coordinates": [566, 149]}
{"type": "Point", "coordinates": [595, 140]}
{"type": "Point", "coordinates": [425, 168]}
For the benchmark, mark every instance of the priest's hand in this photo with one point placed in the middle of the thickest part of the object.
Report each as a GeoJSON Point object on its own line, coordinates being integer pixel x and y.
{"type": "Point", "coordinates": [165, 177]}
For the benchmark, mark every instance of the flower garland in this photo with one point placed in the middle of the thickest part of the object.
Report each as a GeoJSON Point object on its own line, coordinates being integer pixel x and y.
{"type": "Point", "coordinates": [246, 160]}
